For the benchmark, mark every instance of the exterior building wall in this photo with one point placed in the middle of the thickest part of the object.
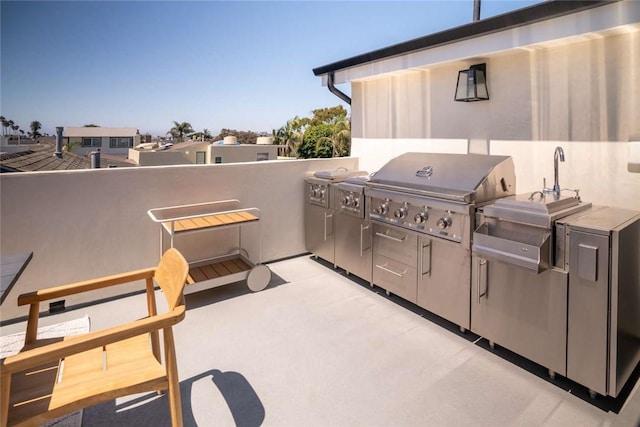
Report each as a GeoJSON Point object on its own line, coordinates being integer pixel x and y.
{"type": "Point", "coordinates": [583, 96]}
{"type": "Point", "coordinates": [104, 148]}
{"type": "Point", "coordinates": [588, 90]}
{"type": "Point", "coordinates": [226, 154]}
{"type": "Point", "coordinates": [158, 158]}
{"type": "Point", "coordinates": [242, 153]}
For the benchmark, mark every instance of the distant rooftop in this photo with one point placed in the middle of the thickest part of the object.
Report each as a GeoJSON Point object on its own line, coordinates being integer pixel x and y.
{"type": "Point", "coordinates": [39, 157]}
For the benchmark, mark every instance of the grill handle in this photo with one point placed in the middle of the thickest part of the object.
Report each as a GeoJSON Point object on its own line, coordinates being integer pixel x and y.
{"type": "Point", "coordinates": [388, 270]}
{"type": "Point", "coordinates": [428, 258]}
{"type": "Point", "coordinates": [386, 236]}
{"type": "Point", "coordinates": [481, 263]}
{"type": "Point", "coordinates": [362, 230]}
{"type": "Point", "coordinates": [326, 217]}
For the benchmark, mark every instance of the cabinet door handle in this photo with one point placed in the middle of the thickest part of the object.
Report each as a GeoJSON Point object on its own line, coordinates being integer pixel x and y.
{"type": "Point", "coordinates": [326, 217]}
{"type": "Point", "coordinates": [386, 236]}
{"type": "Point", "coordinates": [481, 263]}
{"type": "Point", "coordinates": [362, 230]}
{"type": "Point", "coordinates": [388, 270]}
{"type": "Point", "coordinates": [422, 259]}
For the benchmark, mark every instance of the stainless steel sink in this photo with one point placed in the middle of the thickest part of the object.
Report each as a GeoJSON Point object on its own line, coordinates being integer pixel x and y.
{"type": "Point", "coordinates": [540, 210]}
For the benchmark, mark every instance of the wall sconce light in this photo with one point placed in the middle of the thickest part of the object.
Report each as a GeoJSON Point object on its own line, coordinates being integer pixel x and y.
{"type": "Point", "coordinates": [472, 84]}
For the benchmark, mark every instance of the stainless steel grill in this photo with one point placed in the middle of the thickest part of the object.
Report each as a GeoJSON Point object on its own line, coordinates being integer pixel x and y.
{"type": "Point", "coordinates": [422, 208]}
{"type": "Point", "coordinates": [352, 228]}
{"type": "Point", "coordinates": [319, 211]}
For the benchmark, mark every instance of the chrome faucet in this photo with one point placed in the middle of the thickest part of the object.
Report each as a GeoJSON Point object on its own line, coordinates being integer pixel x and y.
{"type": "Point", "coordinates": [559, 153]}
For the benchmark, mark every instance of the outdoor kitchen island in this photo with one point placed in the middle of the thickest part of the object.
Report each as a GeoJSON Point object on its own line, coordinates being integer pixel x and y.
{"type": "Point", "coordinates": [544, 275]}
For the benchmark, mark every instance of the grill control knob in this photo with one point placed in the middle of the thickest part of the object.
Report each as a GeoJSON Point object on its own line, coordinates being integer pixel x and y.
{"type": "Point", "coordinates": [346, 200]}
{"type": "Point", "coordinates": [356, 203]}
{"type": "Point", "coordinates": [382, 209]}
{"type": "Point", "coordinates": [420, 217]}
{"type": "Point", "coordinates": [444, 222]}
{"type": "Point", "coordinates": [400, 213]}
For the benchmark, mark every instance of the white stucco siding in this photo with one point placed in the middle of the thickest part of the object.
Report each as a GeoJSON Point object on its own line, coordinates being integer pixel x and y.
{"type": "Point", "coordinates": [587, 91]}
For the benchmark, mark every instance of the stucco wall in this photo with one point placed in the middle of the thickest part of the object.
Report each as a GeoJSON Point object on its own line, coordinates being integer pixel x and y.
{"type": "Point", "coordinates": [105, 148]}
{"type": "Point", "coordinates": [241, 153]}
{"type": "Point", "coordinates": [90, 223]}
{"type": "Point", "coordinates": [159, 158]}
{"type": "Point", "coordinates": [586, 90]}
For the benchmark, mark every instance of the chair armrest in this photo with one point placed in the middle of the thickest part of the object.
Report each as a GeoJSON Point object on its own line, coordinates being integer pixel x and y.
{"type": "Point", "coordinates": [76, 344]}
{"type": "Point", "coordinates": [87, 285]}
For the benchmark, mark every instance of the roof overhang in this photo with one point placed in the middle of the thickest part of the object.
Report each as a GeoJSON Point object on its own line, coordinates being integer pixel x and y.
{"type": "Point", "coordinates": [546, 22]}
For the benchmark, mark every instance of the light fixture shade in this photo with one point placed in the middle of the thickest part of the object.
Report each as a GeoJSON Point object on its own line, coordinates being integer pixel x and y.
{"type": "Point", "coordinates": [472, 84]}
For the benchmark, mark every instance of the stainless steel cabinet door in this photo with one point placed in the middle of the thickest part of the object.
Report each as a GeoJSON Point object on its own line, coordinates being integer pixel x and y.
{"type": "Point", "coordinates": [353, 245]}
{"type": "Point", "coordinates": [588, 324]}
{"type": "Point", "coordinates": [318, 224]}
{"type": "Point", "coordinates": [444, 271]}
{"type": "Point", "coordinates": [522, 311]}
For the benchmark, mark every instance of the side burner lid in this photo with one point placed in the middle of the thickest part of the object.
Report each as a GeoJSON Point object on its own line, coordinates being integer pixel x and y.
{"type": "Point", "coordinates": [338, 174]}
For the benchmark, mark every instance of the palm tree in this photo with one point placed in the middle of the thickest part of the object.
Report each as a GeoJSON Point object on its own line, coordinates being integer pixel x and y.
{"type": "Point", "coordinates": [180, 129]}
{"type": "Point", "coordinates": [341, 140]}
{"type": "Point", "coordinates": [5, 124]}
{"type": "Point", "coordinates": [339, 143]}
{"type": "Point", "coordinates": [9, 124]}
{"type": "Point", "coordinates": [35, 126]}
{"type": "Point", "coordinates": [289, 135]}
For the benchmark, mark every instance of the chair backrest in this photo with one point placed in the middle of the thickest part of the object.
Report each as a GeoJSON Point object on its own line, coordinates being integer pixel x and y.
{"type": "Point", "coordinates": [171, 275]}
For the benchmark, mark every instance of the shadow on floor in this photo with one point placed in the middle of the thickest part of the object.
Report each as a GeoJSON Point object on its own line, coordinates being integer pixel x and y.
{"type": "Point", "coordinates": [232, 290]}
{"type": "Point", "coordinates": [605, 403]}
{"type": "Point", "coordinates": [152, 409]}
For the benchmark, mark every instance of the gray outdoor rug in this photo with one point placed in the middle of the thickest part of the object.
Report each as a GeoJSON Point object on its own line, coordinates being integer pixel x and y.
{"type": "Point", "coordinates": [11, 344]}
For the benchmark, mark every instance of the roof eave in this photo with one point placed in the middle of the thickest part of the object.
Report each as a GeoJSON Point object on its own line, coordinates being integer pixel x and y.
{"type": "Point", "coordinates": [529, 15]}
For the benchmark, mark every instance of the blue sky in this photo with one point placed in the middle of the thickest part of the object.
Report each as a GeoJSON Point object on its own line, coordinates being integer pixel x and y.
{"type": "Point", "coordinates": [244, 65]}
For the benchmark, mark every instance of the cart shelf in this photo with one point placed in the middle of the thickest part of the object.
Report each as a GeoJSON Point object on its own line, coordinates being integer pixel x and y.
{"type": "Point", "coordinates": [216, 269]}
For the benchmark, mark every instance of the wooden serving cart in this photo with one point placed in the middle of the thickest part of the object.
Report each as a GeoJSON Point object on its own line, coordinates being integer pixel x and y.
{"type": "Point", "coordinates": [208, 273]}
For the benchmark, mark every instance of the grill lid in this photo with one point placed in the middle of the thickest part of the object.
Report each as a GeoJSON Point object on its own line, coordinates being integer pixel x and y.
{"type": "Point", "coordinates": [462, 177]}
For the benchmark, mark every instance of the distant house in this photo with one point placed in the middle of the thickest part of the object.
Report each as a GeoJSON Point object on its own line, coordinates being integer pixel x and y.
{"type": "Point", "coordinates": [114, 141]}
{"type": "Point", "coordinates": [199, 152]}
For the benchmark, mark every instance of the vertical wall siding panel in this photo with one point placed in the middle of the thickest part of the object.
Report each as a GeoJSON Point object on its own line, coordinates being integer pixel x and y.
{"type": "Point", "coordinates": [357, 110]}
{"type": "Point", "coordinates": [588, 90]}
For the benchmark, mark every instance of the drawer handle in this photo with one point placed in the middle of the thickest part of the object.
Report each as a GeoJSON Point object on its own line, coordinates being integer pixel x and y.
{"type": "Point", "coordinates": [386, 236]}
{"type": "Point", "coordinates": [388, 270]}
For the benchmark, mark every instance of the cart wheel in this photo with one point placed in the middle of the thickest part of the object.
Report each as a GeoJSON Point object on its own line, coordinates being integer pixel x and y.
{"type": "Point", "coordinates": [258, 278]}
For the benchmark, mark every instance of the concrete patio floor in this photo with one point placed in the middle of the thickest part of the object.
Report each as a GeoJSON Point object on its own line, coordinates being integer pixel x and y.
{"type": "Point", "coordinates": [319, 349]}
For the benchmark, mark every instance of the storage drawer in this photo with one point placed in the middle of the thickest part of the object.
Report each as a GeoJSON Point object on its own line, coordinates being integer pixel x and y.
{"type": "Point", "coordinates": [395, 243]}
{"type": "Point", "coordinates": [395, 277]}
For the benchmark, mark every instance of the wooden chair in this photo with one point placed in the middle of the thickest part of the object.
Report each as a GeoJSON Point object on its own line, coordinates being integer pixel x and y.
{"type": "Point", "coordinates": [47, 380]}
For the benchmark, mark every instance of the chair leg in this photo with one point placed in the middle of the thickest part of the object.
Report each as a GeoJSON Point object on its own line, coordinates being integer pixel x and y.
{"type": "Point", "coordinates": [5, 393]}
{"type": "Point", "coordinates": [175, 402]}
